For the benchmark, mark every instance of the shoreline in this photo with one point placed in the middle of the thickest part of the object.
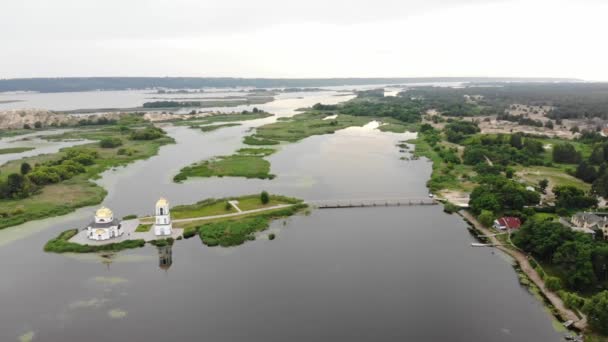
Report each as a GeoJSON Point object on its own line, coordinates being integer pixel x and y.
{"type": "Point", "coordinates": [522, 262]}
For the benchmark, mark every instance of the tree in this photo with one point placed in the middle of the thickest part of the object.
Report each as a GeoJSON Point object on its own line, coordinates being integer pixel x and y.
{"type": "Point", "coordinates": [264, 197]}
{"type": "Point", "coordinates": [37, 124]}
{"type": "Point", "coordinates": [571, 197]}
{"type": "Point", "coordinates": [586, 172]}
{"type": "Point", "coordinates": [16, 186]}
{"type": "Point", "coordinates": [486, 218]}
{"type": "Point", "coordinates": [597, 156]}
{"type": "Point", "coordinates": [517, 141]}
{"type": "Point", "coordinates": [549, 124]}
{"type": "Point", "coordinates": [25, 168]}
{"type": "Point", "coordinates": [543, 184]}
{"type": "Point", "coordinates": [574, 257]}
{"type": "Point", "coordinates": [110, 142]}
{"type": "Point", "coordinates": [597, 312]}
{"type": "Point", "coordinates": [565, 153]}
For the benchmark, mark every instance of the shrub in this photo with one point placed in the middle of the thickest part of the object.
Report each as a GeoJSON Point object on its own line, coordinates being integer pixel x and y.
{"type": "Point", "coordinates": [264, 197]}
{"type": "Point", "coordinates": [271, 236]}
{"type": "Point", "coordinates": [189, 232]}
{"type": "Point", "coordinates": [450, 207]}
{"type": "Point", "coordinates": [110, 142]}
{"type": "Point", "coordinates": [130, 217]}
{"type": "Point", "coordinates": [553, 283]}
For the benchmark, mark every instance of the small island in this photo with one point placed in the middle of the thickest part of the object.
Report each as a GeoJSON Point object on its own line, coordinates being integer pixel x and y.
{"type": "Point", "coordinates": [218, 222]}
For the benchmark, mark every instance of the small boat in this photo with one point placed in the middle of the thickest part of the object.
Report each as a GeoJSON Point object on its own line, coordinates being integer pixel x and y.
{"type": "Point", "coordinates": [476, 244]}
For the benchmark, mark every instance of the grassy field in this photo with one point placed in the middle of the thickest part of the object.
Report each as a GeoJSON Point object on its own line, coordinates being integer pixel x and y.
{"type": "Point", "coordinates": [305, 125]}
{"type": "Point", "coordinates": [248, 163]}
{"type": "Point", "coordinates": [211, 207]}
{"type": "Point", "coordinates": [79, 191]}
{"type": "Point", "coordinates": [228, 166]}
{"type": "Point", "coordinates": [15, 150]}
{"type": "Point", "coordinates": [555, 176]}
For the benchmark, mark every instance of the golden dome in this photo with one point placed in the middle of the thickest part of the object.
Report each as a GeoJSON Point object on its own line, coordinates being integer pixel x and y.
{"type": "Point", "coordinates": [100, 232]}
{"type": "Point", "coordinates": [162, 202]}
{"type": "Point", "coordinates": [104, 213]}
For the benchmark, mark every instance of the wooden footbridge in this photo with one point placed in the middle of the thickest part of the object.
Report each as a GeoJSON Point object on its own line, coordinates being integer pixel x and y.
{"type": "Point", "coordinates": [367, 203]}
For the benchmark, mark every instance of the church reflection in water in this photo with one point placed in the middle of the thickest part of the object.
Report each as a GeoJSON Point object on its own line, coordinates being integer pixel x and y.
{"type": "Point", "coordinates": [165, 257]}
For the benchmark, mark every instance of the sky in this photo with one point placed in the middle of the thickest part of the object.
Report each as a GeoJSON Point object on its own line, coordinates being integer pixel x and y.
{"type": "Point", "coordinates": [304, 39]}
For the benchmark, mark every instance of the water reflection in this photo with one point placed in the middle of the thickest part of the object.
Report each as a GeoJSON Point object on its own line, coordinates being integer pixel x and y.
{"type": "Point", "coordinates": [165, 257]}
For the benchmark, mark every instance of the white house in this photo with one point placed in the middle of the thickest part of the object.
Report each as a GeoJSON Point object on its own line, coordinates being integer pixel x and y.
{"type": "Point", "coordinates": [104, 226]}
{"type": "Point", "coordinates": [163, 225]}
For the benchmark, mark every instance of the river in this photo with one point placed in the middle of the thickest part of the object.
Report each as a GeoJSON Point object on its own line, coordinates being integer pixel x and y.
{"type": "Point", "coordinates": [374, 274]}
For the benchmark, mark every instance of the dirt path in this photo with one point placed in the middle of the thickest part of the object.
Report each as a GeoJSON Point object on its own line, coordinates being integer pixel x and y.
{"type": "Point", "coordinates": [565, 313]}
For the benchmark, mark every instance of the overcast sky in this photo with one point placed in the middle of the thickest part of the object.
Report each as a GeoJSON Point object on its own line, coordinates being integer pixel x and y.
{"type": "Point", "coordinates": [311, 38]}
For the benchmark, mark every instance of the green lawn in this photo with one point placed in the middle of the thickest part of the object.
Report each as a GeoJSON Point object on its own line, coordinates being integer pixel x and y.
{"type": "Point", "coordinates": [230, 166]}
{"type": "Point", "coordinates": [143, 228]}
{"type": "Point", "coordinates": [15, 150]}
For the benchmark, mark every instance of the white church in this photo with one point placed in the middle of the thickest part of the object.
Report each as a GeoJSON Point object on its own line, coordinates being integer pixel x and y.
{"type": "Point", "coordinates": [104, 226]}
{"type": "Point", "coordinates": [163, 225]}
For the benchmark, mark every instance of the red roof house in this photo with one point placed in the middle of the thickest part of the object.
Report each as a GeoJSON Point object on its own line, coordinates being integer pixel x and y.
{"type": "Point", "coordinates": [507, 222]}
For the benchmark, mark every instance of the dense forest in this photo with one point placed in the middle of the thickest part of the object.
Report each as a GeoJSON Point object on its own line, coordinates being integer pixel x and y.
{"type": "Point", "coordinates": [570, 100]}
{"type": "Point", "coordinates": [69, 84]}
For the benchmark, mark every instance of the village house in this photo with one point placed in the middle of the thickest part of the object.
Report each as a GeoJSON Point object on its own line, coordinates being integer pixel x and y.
{"type": "Point", "coordinates": [590, 223]}
{"type": "Point", "coordinates": [507, 222]}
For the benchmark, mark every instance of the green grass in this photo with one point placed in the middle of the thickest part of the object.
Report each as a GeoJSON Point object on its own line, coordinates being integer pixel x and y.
{"type": "Point", "coordinates": [301, 126]}
{"type": "Point", "coordinates": [143, 228]}
{"type": "Point", "coordinates": [444, 176]}
{"type": "Point", "coordinates": [534, 174]}
{"type": "Point", "coordinates": [15, 150]}
{"type": "Point", "coordinates": [60, 244]}
{"type": "Point", "coordinates": [229, 166]}
{"type": "Point", "coordinates": [66, 196]}
{"type": "Point", "coordinates": [396, 126]}
{"type": "Point", "coordinates": [211, 207]}
{"type": "Point", "coordinates": [255, 141]}
{"type": "Point", "coordinates": [260, 152]}
{"type": "Point", "coordinates": [210, 128]}
{"type": "Point", "coordinates": [236, 232]}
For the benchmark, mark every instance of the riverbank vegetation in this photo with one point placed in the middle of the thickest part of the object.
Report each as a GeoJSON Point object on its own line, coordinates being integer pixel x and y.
{"type": "Point", "coordinates": [218, 118]}
{"type": "Point", "coordinates": [55, 184]}
{"type": "Point", "coordinates": [15, 150]}
{"type": "Point", "coordinates": [211, 128]}
{"type": "Point", "coordinates": [61, 244]}
{"type": "Point", "coordinates": [249, 100]}
{"type": "Point", "coordinates": [236, 232]}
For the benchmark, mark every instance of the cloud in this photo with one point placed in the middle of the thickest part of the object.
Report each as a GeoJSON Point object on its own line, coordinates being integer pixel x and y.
{"type": "Point", "coordinates": [271, 38]}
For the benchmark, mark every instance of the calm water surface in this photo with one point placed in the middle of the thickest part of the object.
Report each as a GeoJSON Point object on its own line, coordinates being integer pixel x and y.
{"type": "Point", "coordinates": [376, 274]}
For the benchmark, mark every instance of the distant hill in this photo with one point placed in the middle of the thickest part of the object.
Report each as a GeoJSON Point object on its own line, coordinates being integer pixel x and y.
{"type": "Point", "coordinates": [71, 84]}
